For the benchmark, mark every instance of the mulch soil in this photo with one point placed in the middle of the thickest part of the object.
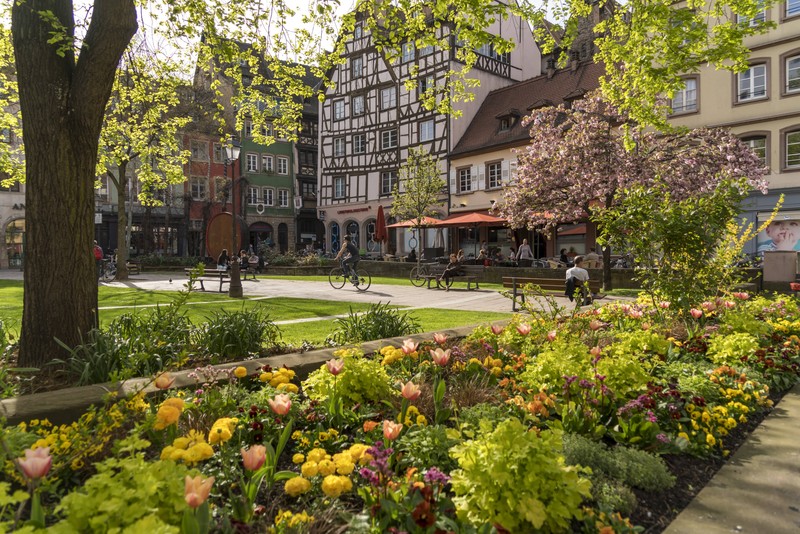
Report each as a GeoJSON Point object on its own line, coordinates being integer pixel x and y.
{"type": "Point", "coordinates": [656, 510]}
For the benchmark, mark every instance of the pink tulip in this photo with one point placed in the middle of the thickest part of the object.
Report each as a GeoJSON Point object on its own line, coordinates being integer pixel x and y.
{"type": "Point", "coordinates": [635, 314]}
{"type": "Point", "coordinates": [440, 339]}
{"type": "Point", "coordinates": [595, 351]}
{"type": "Point", "coordinates": [411, 391]}
{"type": "Point", "coordinates": [254, 457]}
{"type": "Point", "coordinates": [497, 329]}
{"type": "Point", "coordinates": [708, 306]}
{"type": "Point", "coordinates": [594, 324]}
{"type": "Point", "coordinates": [741, 295]}
{"type": "Point", "coordinates": [696, 313]}
{"type": "Point", "coordinates": [335, 366]}
{"type": "Point", "coordinates": [281, 404]}
{"type": "Point", "coordinates": [391, 430]}
{"type": "Point", "coordinates": [164, 381]}
{"type": "Point", "coordinates": [409, 346]}
{"type": "Point", "coordinates": [524, 329]}
{"type": "Point", "coordinates": [551, 335]}
{"type": "Point", "coordinates": [663, 304]}
{"type": "Point", "coordinates": [625, 308]}
{"type": "Point", "coordinates": [440, 357]}
{"type": "Point", "coordinates": [36, 463]}
{"type": "Point", "coordinates": [729, 304]}
{"type": "Point", "coordinates": [645, 326]}
{"type": "Point", "coordinates": [196, 490]}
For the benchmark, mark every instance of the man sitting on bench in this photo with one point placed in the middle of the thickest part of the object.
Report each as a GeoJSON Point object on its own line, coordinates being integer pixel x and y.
{"type": "Point", "coordinates": [577, 284]}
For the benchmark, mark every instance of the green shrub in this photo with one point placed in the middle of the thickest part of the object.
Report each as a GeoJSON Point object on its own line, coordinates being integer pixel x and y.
{"type": "Point", "coordinates": [159, 260]}
{"type": "Point", "coordinates": [729, 349]}
{"type": "Point", "coordinates": [611, 494]}
{"type": "Point", "coordinates": [469, 419]}
{"type": "Point", "coordinates": [424, 447]}
{"type": "Point", "coordinates": [563, 357]}
{"type": "Point", "coordinates": [692, 378]}
{"type": "Point", "coordinates": [378, 322]}
{"type": "Point", "coordinates": [743, 319]}
{"type": "Point", "coordinates": [361, 380]}
{"type": "Point", "coordinates": [515, 478]}
{"type": "Point", "coordinates": [239, 333]}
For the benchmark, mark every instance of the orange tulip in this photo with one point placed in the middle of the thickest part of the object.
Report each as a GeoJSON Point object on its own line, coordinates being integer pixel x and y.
{"type": "Point", "coordinates": [411, 391]}
{"type": "Point", "coordinates": [164, 381]}
{"type": "Point", "coordinates": [254, 457]}
{"type": "Point", "coordinates": [196, 490]}
{"type": "Point", "coordinates": [281, 404]}
{"type": "Point", "coordinates": [391, 430]}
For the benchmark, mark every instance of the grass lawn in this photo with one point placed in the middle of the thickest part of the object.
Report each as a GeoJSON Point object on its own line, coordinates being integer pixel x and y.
{"type": "Point", "coordinates": [378, 280]}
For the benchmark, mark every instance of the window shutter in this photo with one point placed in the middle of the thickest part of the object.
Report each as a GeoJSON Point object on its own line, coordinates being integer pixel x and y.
{"type": "Point", "coordinates": [481, 177]}
{"type": "Point", "coordinates": [473, 178]}
{"type": "Point", "coordinates": [453, 184]}
{"type": "Point", "coordinates": [504, 168]}
{"type": "Point", "coordinates": [512, 170]}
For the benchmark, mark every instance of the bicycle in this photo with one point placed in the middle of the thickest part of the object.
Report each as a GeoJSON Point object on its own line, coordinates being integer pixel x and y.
{"type": "Point", "coordinates": [360, 278]}
{"type": "Point", "coordinates": [109, 269]}
{"type": "Point", "coordinates": [420, 274]}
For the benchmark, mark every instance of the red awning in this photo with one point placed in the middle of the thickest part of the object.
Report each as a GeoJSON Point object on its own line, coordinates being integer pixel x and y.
{"type": "Point", "coordinates": [411, 223]}
{"type": "Point", "coordinates": [474, 218]}
{"type": "Point", "coordinates": [577, 229]}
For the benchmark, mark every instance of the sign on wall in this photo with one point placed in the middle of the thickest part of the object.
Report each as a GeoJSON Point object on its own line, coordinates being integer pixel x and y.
{"type": "Point", "coordinates": [783, 233]}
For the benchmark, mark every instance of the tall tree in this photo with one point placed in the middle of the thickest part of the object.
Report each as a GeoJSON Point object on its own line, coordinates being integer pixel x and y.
{"type": "Point", "coordinates": [419, 189]}
{"type": "Point", "coordinates": [140, 134]}
{"type": "Point", "coordinates": [579, 164]}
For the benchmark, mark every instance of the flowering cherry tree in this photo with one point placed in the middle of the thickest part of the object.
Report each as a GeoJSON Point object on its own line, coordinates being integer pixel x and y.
{"type": "Point", "coordinates": [579, 163]}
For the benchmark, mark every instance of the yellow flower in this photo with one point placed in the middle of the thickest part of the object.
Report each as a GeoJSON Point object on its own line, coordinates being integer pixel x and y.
{"type": "Point", "coordinates": [345, 467]}
{"type": "Point", "coordinates": [683, 435]}
{"type": "Point", "coordinates": [326, 467]}
{"type": "Point", "coordinates": [289, 388]}
{"type": "Point", "coordinates": [265, 377]}
{"type": "Point", "coordinates": [174, 401]}
{"type": "Point", "coordinates": [317, 455]}
{"type": "Point", "coordinates": [309, 469]}
{"type": "Point", "coordinates": [298, 458]}
{"type": "Point", "coordinates": [222, 430]}
{"type": "Point", "coordinates": [357, 451]}
{"type": "Point", "coordinates": [711, 440]}
{"type": "Point", "coordinates": [166, 416]}
{"type": "Point", "coordinates": [332, 486]}
{"type": "Point", "coordinates": [240, 372]}
{"type": "Point", "coordinates": [296, 486]}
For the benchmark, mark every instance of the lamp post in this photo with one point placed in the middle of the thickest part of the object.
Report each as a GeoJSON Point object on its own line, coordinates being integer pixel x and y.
{"type": "Point", "coordinates": [231, 155]}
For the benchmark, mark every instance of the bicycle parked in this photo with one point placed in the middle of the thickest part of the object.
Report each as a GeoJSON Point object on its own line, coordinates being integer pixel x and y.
{"type": "Point", "coordinates": [360, 278]}
{"type": "Point", "coordinates": [420, 274]}
{"type": "Point", "coordinates": [109, 269]}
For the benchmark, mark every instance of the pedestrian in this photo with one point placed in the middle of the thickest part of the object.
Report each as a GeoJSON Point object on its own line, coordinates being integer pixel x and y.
{"type": "Point", "coordinates": [98, 260]}
{"type": "Point", "coordinates": [524, 252]}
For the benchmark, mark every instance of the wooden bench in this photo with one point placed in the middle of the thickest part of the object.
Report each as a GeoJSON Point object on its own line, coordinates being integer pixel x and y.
{"type": "Point", "coordinates": [210, 275]}
{"type": "Point", "coordinates": [468, 274]}
{"type": "Point", "coordinates": [134, 268]}
{"type": "Point", "coordinates": [558, 285]}
{"type": "Point", "coordinates": [249, 270]}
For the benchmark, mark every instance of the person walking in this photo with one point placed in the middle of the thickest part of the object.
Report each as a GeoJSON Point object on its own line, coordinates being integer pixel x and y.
{"type": "Point", "coordinates": [98, 260]}
{"type": "Point", "coordinates": [524, 252]}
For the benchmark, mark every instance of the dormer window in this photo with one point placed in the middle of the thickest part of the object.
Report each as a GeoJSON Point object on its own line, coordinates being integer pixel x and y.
{"type": "Point", "coordinates": [507, 119]}
{"type": "Point", "coordinates": [505, 124]}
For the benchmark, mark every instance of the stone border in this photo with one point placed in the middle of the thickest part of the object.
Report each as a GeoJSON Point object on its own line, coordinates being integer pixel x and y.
{"type": "Point", "coordinates": [67, 405]}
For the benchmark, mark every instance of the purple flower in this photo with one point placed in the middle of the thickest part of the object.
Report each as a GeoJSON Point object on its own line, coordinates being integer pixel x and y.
{"type": "Point", "coordinates": [370, 476]}
{"type": "Point", "coordinates": [434, 476]}
{"type": "Point", "coordinates": [651, 416]}
{"type": "Point", "coordinates": [662, 438]}
{"type": "Point", "coordinates": [585, 384]}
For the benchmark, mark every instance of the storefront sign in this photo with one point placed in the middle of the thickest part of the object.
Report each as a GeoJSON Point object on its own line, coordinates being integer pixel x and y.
{"type": "Point", "coordinates": [354, 210]}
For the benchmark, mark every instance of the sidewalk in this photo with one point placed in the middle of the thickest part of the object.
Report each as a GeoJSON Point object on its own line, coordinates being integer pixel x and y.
{"type": "Point", "coordinates": [758, 490]}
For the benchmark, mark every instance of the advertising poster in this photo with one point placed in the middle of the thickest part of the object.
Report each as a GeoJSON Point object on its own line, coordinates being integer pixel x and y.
{"type": "Point", "coordinates": [783, 233]}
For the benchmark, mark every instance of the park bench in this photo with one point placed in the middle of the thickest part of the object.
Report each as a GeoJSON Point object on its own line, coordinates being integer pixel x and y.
{"type": "Point", "coordinates": [250, 270]}
{"type": "Point", "coordinates": [550, 285]}
{"type": "Point", "coordinates": [133, 268]}
{"type": "Point", "coordinates": [468, 274]}
{"type": "Point", "coordinates": [210, 275]}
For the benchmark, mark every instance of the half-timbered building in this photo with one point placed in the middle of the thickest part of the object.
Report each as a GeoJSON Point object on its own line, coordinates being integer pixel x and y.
{"type": "Point", "coordinates": [373, 114]}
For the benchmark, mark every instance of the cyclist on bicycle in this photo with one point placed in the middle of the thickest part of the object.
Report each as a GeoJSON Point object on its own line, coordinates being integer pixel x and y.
{"type": "Point", "coordinates": [349, 254]}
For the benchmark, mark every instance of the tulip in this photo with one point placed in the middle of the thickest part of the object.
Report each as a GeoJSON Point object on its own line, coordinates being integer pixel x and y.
{"type": "Point", "coordinates": [335, 366]}
{"type": "Point", "coordinates": [524, 329]}
{"type": "Point", "coordinates": [496, 329]}
{"type": "Point", "coordinates": [696, 313]}
{"type": "Point", "coordinates": [391, 429]}
{"type": "Point", "coordinates": [594, 324]}
{"type": "Point", "coordinates": [708, 306]}
{"type": "Point", "coordinates": [663, 304]}
{"type": "Point", "coordinates": [440, 357]}
{"type": "Point", "coordinates": [411, 391]}
{"type": "Point", "coordinates": [551, 335]}
{"type": "Point", "coordinates": [254, 457]}
{"type": "Point", "coordinates": [164, 381]}
{"type": "Point", "coordinates": [741, 295]}
{"type": "Point", "coordinates": [409, 346]}
{"type": "Point", "coordinates": [439, 338]}
{"type": "Point", "coordinates": [729, 304]}
{"type": "Point", "coordinates": [281, 404]}
{"type": "Point", "coordinates": [595, 351]}
{"type": "Point", "coordinates": [645, 326]}
{"type": "Point", "coordinates": [635, 314]}
{"type": "Point", "coordinates": [196, 490]}
{"type": "Point", "coordinates": [36, 463]}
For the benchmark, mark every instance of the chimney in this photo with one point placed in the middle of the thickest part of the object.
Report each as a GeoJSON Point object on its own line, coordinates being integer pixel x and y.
{"type": "Point", "coordinates": [574, 59]}
{"type": "Point", "coordinates": [551, 67]}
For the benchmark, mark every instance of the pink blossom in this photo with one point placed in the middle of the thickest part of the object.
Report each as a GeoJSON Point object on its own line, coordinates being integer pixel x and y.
{"type": "Point", "coordinates": [696, 313]}
{"type": "Point", "coordinates": [391, 429]}
{"type": "Point", "coordinates": [254, 457]}
{"type": "Point", "coordinates": [524, 329]}
{"type": "Point", "coordinates": [645, 326]}
{"type": "Point", "coordinates": [196, 490]}
{"type": "Point", "coordinates": [663, 304]}
{"type": "Point", "coordinates": [411, 391]}
{"type": "Point", "coordinates": [439, 338]}
{"type": "Point", "coordinates": [496, 329]}
{"type": "Point", "coordinates": [551, 335]}
{"type": "Point", "coordinates": [36, 463]}
{"type": "Point", "coordinates": [595, 351]}
{"type": "Point", "coordinates": [281, 404]}
{"type": "Point", "coordinates": [708, 306]}
{"type": "Point", "coordinates": [594, 324]}
{"type": "Point", "coordinates": [335, 366]}
{"type": "Point", "coordinates": [741, 295]}
{"type": "Point", "coordinates": [409, 346]}
{"type": "Point", "coordinates": [440, 357]}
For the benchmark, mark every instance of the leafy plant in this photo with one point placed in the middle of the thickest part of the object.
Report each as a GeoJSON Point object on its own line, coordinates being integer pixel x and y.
{"type": "Point", "coordinates": [515, 478]}
{"type": "Point", "coordinates": [378, 322]}
{"type": "Point", "coordinates": [361, 380]}
{"type": "Point", "coordinates": [730, 349]}
{"type": "Point", "coordinates": [424, 447]}
{"type": "Point", "coordinates": [238, 333]}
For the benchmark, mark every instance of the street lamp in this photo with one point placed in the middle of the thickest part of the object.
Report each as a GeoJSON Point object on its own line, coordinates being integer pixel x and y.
{"type": "Point", "coordinates": [231, 155]}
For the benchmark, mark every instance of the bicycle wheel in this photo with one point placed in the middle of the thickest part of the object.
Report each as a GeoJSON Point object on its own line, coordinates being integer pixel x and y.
{"type": "Point", "coordinates": [110, 272]}
{"type": "Point", "coordinates": [364, 280]}
{"type": "Point", "coordinates": [448, 282]}
{"type": "Point", "coordinates": [336, 278]}
{"type": "Point", "coordinates": [417, 276]}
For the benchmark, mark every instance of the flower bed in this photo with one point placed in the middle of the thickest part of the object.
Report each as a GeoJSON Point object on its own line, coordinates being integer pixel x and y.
{"type": "Point", "coordinates": [542, 425]}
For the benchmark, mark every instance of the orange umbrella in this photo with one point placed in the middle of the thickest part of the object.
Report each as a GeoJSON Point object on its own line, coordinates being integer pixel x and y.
{"type": "Point", "coordinates": [411, 223]}
{"type": "Point", "coordinates": [476, 217]}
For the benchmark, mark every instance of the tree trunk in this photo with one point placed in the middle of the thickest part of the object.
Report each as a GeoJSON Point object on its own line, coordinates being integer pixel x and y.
{"type": "Point", "coordinates": [122, 220]}
{"type": "Point", "coordinates": [62, 101]}
{"type": "Point", "coordinates": [607, 285]}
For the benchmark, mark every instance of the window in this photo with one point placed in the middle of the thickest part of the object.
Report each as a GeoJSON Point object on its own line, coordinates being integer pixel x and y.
{"type": "Point", "coordinates": [248, 128]}
{"type": "Point", "coordinates": [792, 8]}
{"type": "Point", "coordinates": [268, 194]}
{"type": "Point", "coordinates": [464, 180]}
{"type": "Point", "coordinates": [793, 149]}
{"type": "Point", "coordinates": [359, 143]}
{"type": "Point", "coordinates": [685, 100]}
{"type": "Point", "coordinates": [793, 74]}
{"type": "Point", "coordinates": [426, 84]}
{"type": "Point", "coordinates": [357, 104]}
{"type": "Point", "coordinates": [494, 176]}
{"type": "Point", "coordinates": [761, 16]}
{"type": "Point", "coordinates": [267, 163]}
{"type": "Point", "coordinates": [283, 198]}
{"type": "Point", "coordinates": [14, 188]}
{"type": "Point", "coordinates": [356, 66]}
{"type": "Point", "coordinates": [388, 97]}
{"type": "Point", "coordinates": [283, 165]}
{"type": "Point", "coordinates": [338, 146]}
{"type": "Point", "coordinates": [758, 144]}
{"type": "Point", "coordinates": [505, 124]}
{"type": "Point", "coordinates": [253, 195]}
{"type": "Point", "coordinates": [268, 130]}
{"type": "Point", "coordinates": [426, 130]}
{"type": "Point", "coordinates": [388, 181]}
{"type": "Point", "coordinates": [408, 52]}
{"type": "Point", "coordinates": [358, 31]}
{"type": "Point", "coordinates": [426, 51]}
{"type": "Point", "coordinates": [388, 139]}
{"type": "Point", "coordinates": [252, 162]}
{"type": "Point", "coordinates": [338, 187]}
{"type": "Point", "coordinates": [752, 83]}
{"type": "Point", "coordinates": [309, 190]}
{"type": "Point", "coordinates": [199, 150]}
{"type": "Point", "coordinates": [219, 153]}
{"type": "Point", "coordinates": [338, 110]}
{"type": "Point", "coordinates": [199, 187]}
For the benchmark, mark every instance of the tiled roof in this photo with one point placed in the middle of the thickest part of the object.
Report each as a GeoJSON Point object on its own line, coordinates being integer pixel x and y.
{"type": "Point", "coordinates": [483, 133]}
